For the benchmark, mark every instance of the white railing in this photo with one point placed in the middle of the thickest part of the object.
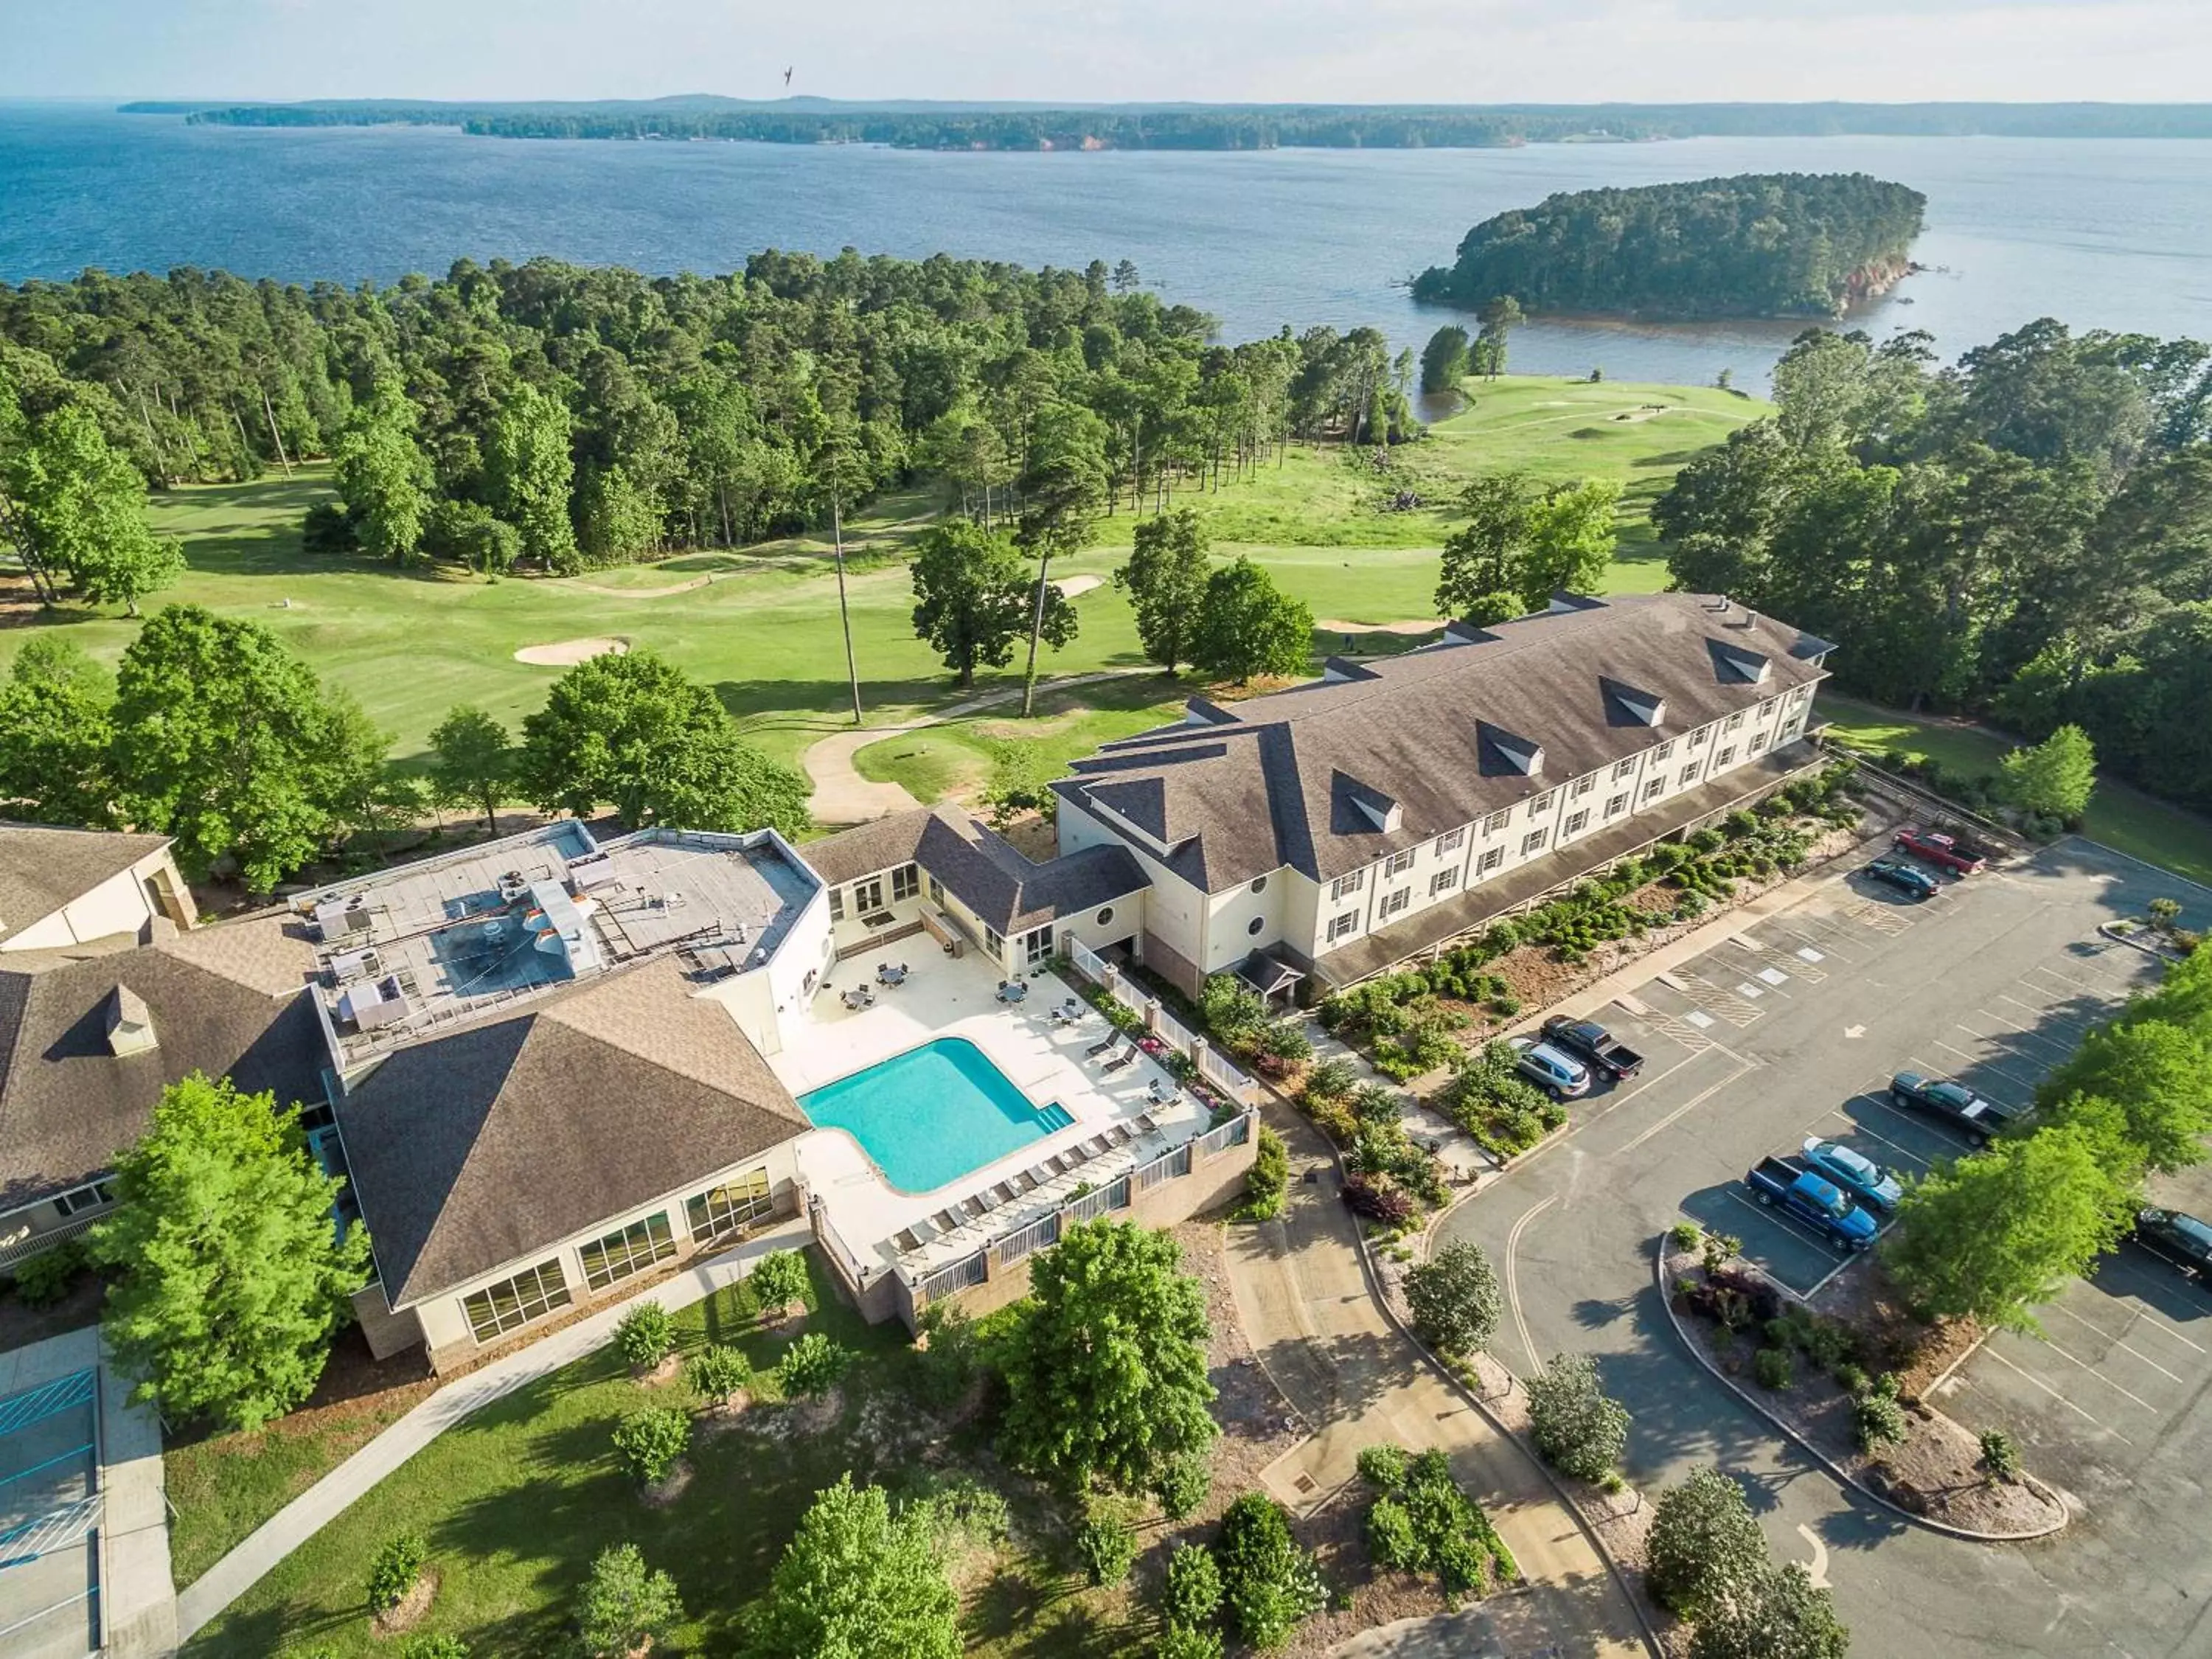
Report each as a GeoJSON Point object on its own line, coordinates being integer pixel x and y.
{"type": "Point", "coordinates": [950, 1280]}
{"type": "Point", "coordinates": [1088, 963]}
{"type": "Point", "coordinates": [1234, 1133]}
{"type": "Point", "coordinates": [40, 1244]}
{"type": "Point", "coordinates": [1044, 1231]}
{"type": "Point", "coordinates": [1172, 1031]}
{"type": "Point", "coordinates": [1215, 1068]}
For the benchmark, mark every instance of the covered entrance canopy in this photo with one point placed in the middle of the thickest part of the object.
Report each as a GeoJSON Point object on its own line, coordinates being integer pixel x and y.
{"type": "Point", "coordinates": [1270, 976]}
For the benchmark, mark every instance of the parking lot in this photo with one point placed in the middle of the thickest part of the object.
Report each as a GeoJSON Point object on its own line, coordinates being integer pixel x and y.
{"type": "Point", "coordinates": [1792, 1028]}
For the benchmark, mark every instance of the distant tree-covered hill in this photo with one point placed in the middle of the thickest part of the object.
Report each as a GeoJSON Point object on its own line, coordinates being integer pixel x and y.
{"type": "Point", "coordinates": [1759, 245]}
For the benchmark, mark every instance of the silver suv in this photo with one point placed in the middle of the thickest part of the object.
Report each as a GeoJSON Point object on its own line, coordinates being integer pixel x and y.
{"type": "Point", "coordinates": [1558, 1074]}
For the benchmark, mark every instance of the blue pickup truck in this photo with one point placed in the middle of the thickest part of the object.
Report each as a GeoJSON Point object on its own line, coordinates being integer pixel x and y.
{"type": "Point", "coordinates": [1779, 1183]}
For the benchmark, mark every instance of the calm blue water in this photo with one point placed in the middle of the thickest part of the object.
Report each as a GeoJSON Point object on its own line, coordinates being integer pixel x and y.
{"type": "Point", "coordinates": [932, 1113]}
{"type": "Point", "coordinates": [2114, 234]}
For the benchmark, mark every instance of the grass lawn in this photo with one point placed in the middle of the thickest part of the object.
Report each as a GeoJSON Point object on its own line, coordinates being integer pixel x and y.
{"type": "Point", "coordinates": [951, 760]}
{"type": "Point", "coordinates": [2119, 816]}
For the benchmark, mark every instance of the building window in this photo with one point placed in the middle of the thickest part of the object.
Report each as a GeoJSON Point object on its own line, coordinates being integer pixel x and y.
{"type": "Point", "coordinates": [1443, 882]}
{"type": "Point", "coordinates": [1496, 821]}
{"type": "Point", "coordinates": [1757, 741]}
{"type": "Point", "coordinates": [1105, 917]}
{"type": "Point", "coordinates": [1396, 900]}
{"type": "Point", "coordinates": [1689, 776]}
{"type": "Point", "coordinates": [1654, 787]}
{"type": "Point", "coordinates": [720, 1211]}
{"type": "Point", "coordinates": [906, 882]}
{"type": "Point", "coordinates": [1624, 769]}
{"type": "Point", "coordinates": [1767, 708]}
{"type": "Point", "coordinates": [1583, 785]}
{"type": "Point", "coordinates": [1734, 720]}
{"type": "Point", "coordinates": [1351, 884]}
{"type": "Point", "coordinates": [1451, 841]}
{"type": "Point", "coordinates": [1698, 738]}
{"type": "Point", "coordinates": [1723, 757]}
{"type": "Point", "coordinates": [1340, 927]}
{"type": "Point", "coordinates": [1801, 697]}
{"type": "Point", "coordinates": [837, 904]}
{"type": "Point", "coordinates": [513, 1302]}
{"type": "Point", "coordinates": [1576, 824]}
{"type": "Point", "coordinates": [1398, 863]}
{"type": "Point", "coordinates": [1532, 843]}
{"type": "Point", "coordinates": [1256, 926]}
{"type": "Point", "coordinates": [1616, 806]}
{"type": "Point", "coordinates": [1491, 861]}
{"type": "Point", "coordinates": [993, 944]}
{"type": "Point", "coordinates": [1663, 750]}
{"type": "Point", "coordinates": [1036, 945]}
{"type": "Point", "coordinates": [1542, 804]}
{"type": "Point", "coordinates": [632, 1250]}
{"type": "Point", "coordinates": [97, 1196]}
{"type": "Point", "coordinates": [936, 890]}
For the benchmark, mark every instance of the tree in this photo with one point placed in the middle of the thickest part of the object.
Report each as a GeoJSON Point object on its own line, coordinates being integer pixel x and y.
{"type": "Point", "coordinates": [1268, 1584]}
{"type": "Point", "coordinates": [857, 1580]}
{"type": "Point", "coordinates": [631, 729]}
{"type": "Point", "coordinates": [54, 735]}
{"type": "Point", "coordinates": [1063, 486]}
{"type": "Point", "coordinates": [2055, 778]}
{"type": "Point", "coordinates": [1455, 1300]}
{"type": "Point", "coordinates": [1570, 541]}
{"type": "Point", "coordinates": [75, 507]}
{"type": "Point", "coordinates": [1703, 1543]}
{"type": "Point", "coordinates": [231, 1281]}
{"type": "Point", "coordinates": [1247, 626]}
{"type": "Point", "coordinates": [973, 598]}
{"type": "Point", "coordinates": [1500, 316]}
{"type": "Point", "coordinates": [471, 761]}
{"type": "Point", "coordinates": [1165, 579]}
{"type": "Point", "coordinates": [1445, 359]}
{"type": "Point", "coordinates": [1521, 546]}
{"type": "Point", "coordinates": [382, 475]}
{"type": "Point", "coordinates": [1106, 1373]}
{"type": "Point", "coordinates": [224, 740]}
{"type": "Point", "coordinates": [2148, 1082]}
{"type": "Point", "coordinates": [1575, 1424]}
{"type": "Point", "coordinates": [1990, 1236]}
{"type": "Point", "coordinates": [1776, 1613]}
{"type": "Point", "coordinates": [529, 470]}
{"type": "Point", "coordinates": [625, 1607]}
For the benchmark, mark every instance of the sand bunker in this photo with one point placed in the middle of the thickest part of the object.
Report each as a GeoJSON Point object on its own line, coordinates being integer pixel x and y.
{"type": "Point", "coordinates": [1069, 587]}
{"type": "Point", "coordinates": [1417, 625]}
{"type": "Point", "coordinates": [566, 653]}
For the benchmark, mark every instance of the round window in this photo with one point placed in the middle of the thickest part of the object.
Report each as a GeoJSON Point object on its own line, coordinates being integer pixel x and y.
{"type": "Point", "coordinates": [1256, 925]}
{"type": "Point", "coordinates": [1106, 916]}
{"type": "Point", "coordinates": [1259, 883]}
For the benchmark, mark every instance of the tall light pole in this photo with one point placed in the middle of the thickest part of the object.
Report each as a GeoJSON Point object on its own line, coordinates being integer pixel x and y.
{"type": "Point", "coordinates": [844, 611]}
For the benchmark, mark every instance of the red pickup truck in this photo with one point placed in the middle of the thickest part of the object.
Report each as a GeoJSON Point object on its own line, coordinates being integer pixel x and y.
{"type": "Point", "coordinates": [1945, 852]}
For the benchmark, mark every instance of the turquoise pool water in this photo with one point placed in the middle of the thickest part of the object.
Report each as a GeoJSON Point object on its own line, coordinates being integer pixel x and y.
{"type": "Point", "coordinates": [932, 1113]}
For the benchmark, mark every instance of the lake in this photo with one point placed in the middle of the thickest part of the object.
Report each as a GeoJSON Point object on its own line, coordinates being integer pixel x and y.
{"type": "Point", "coordinates": [2113, 234]}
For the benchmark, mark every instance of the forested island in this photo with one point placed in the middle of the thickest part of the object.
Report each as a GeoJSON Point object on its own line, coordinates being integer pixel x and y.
{"type": "Point", "coordinates": [1757, 245]}
{"type": "Point", "coordinates": [953, 127]}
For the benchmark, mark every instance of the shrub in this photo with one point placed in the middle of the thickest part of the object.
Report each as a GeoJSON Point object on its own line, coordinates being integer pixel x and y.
{"type": "Point", "coordinates": [1879, 1421]}
{"type": "Point", "coordinates": [812, 1364]}
{"type": "Point", "coordinates": [1268, 1584]}
{"type": "Point", "coordinates": [2000, 1455]}
{"type": "Point", "coordinates": [1504, 1004]}
{"type": "Point", "coordinates": [1286, 1043]}
{"type": "Point", "coordinates": [1685, 1235]}
{"type": "Point", "coordinates": [1373, 1103]}
{"type": "Point", "coordinates": [1183, 1482]}
{"type": "Point", "coordinates": [1851, 1379]}
{"type": "Point", "coordinates": [1718, 1248]}
{"type": "Point", "coordinates": [1107, 1545]}
{"type": "Point", "coordinates": [645, 1334]}
{"type": "Point", "coordinates": [1233, 1011]}
{"type": "Point", "coordinates": [947, 1365]}
{"type": "Point", "coordinates": [625, 1607]}
{"type": "Point", "coordinates": [49, 1276]}
{"type": "Point", "coordinates": [394, 1569]}
{"type": "Point", "coordinates": [1374, 1198]}
{"type": "Point", "coordinates": [1772, 1367]}
{"type": "Point", "coordinates": [434, 1647]}
{"type": "Point", "coordinates": [1455, 1300]}
{"type": "Point", "coordinates": [1332, 1080]}
{"type": "Point", "coordinates": [718, 1372]}
{"type": "Point", "coordinates": [1268, 1179]}
{"type": "Point", "coordinates": [1703, 1539]}
{"type": "Point", "coordinates": [1187, 1642]}
{"type": "Point", "coordinates": [779, 1279]}
{"type": "Point", "coordinates": [1193, 1592]}
{"type": "Point", "coordinates": [1575, 1426]}
{"type": "Point", "coordinates": [1383, 1468]}
{"type": "Point", "coordinates": [647, 1442]}
{"type": "Point", "coordinates": [1390, 1538]}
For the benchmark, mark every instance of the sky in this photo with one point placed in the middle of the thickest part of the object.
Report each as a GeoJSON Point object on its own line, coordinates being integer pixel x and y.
{"type": "Point", "coordinates": [1210, 50]}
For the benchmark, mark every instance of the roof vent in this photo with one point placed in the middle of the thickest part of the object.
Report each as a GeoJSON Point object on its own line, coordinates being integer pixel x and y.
{"type": "Point", "coordinates": [129, 1024]}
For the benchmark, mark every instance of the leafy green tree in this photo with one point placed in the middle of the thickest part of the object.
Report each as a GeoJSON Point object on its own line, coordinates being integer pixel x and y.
{"type": "Point", "coordinates": [1445, 359]}
{"type": "Point", "coordinates": [1991, 1235]}
{"type": "Point", "coordinates": [1268, 1584]}
{"type": "Point", "coordinates": [1062, 488]}
{"type": "Point", "coordinates": [1455, 1299]}
{"type": "Point", "coordinates": [1480, 579]}
{"type": "Point", "coordinates": [471, 761]}
{"type": "Point", "coordinates": [625, 1607]}
{"type": "Point", "coordinates": [54, 735]}
{"type": "Point", "coordinates": [2055, 778]}
{"type": "Point", "coordinates": [469, 533]}
{"type": "Point", "coordinates": [1165, 579]}
{"type": "Point", "coordinates": [1704, 1543]}
{"type": "Point", "coordinates": [632, 730]}
{"type": "Point", "coordinates": [649, 1441]}
{"type": "Point", "coordinates": [1021, 772]}
{"type": "Point", "coordinates": [382, 475]}
{"type": "Point", "coordinates": [1192, 1594]}
{"type": "Point", "coordinates": [1575, 1425]}
{"type": "Point", "coordinates": [2149, 1081]}
{"type": "Point", "coordinates": [75, 507]}
{"type": "Point", "coordinates": [857, 1579]}
{"type": "Point", "coordinates": [529, 471]}
{"type": "Point", "coordinates": [619, 519]}
{"type": "Point", "coordinates": [231, 1279]}
{"type": "Point", "coordinates": [1246, 626]}
{"type": "Point", "coordinates": [973, 598]}
{"type": "Point", "coordinates": [645, 1334]}
{"type": "Point", "coordinates": [1106, 1373]}
{"type": "Point", "coordinates": [224, 740]}
{"type": "Point", "coordinates": [1500, 316]}
{"type": "Point", "coordinates": [1776, 1613]}
{"type": "Point", "coordinates": [1571, 540]}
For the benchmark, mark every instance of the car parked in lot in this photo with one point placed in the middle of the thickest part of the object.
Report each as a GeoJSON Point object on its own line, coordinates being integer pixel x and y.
{"type": "Point", "coordinates": [1915, 883]}
{"type": "Point", "coordinates": [1856, 1173]}
{"type": "Point", "coordinates": [1555, 1070]}
{"type": "Point", "coordinates": [1954, 1102]}
{"type": "Point", "coordinates": [1813, 1200]}
{"type": "Point", "coordinates": [2181, 1239]}
{"type": "Point", "coordinates": [1587, 1040]}
{"type": "Point", "coordinates": [1961, 857]}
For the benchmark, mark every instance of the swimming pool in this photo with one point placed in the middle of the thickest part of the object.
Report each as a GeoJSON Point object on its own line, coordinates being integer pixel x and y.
{"type": "Point", "coordinates": [932, 1113]}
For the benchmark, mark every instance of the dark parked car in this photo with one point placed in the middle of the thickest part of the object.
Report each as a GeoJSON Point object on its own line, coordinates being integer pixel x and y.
{"type": "Point", "coordinates": [1589, 1041]}
{"type": "Point", "coordinates": [1910, 880]}
{"type": "Point", "coordinates": [1856, 1173]}
{"type": "Point", "coordinates": [1954, 1102]}
{"type": "Point", "coordinates": [2181, 1239]}
{"type": "Point", "coordinates": [1779, 1181]}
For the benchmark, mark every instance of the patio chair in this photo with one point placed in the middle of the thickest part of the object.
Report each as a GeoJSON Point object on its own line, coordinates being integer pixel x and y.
{"type": "Point", "coordinates": [907, 1241]}
{"type": "Point", "coordinates": [1097, 1147]}
{"type": "Point", "coordinates": [1147, 1124]}
{"type": "Point", "coordinates": [973, 1207]}
{"type": "Point", "coordinates": [1025, 1183]}
{"type": "Point", "coordinates": [1115, 1062]}
{"type": "Point", "coordinates": [1118, 1135]}
{"type": "Point", "coordinates": [947, 1222]}
{"type": "Point", "coordinates": [1112, 1039]}
{"type": "Point", "coordinates": [1161, 1094]}
{"type": "Point", "coordinates": [1003, 1193]}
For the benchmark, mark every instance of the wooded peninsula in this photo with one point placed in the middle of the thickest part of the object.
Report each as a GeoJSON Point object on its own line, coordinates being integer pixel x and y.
{"type": "Point", "coordinates": [1757, 245]}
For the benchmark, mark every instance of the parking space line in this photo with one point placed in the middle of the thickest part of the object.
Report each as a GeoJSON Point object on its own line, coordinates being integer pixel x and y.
{"type": "Point", "coordinates": [2106, 993]}
{"type": "Point", "coordinates": [2117, 1342]}
{"type": "Point", "coordinates": [1683, 1110]}
{"type": "Point", "coordinates": [1860, 1129]}
{"type": "Point", "coordinates": [2043, 1011]}
{"type": "Point", "coordinates": [2055, 1394]}
{"type": "Point", "coordinates": [2060, 1049]}
{"type": "Point", "coordinates": [1979, 1059]}
{"type": "Point", "coordinates": [2029, 1059]}
{"type": "Point", "coordinates": [2098, 1375]}
{"type": "Point", "coordinates": [1795, 1229]}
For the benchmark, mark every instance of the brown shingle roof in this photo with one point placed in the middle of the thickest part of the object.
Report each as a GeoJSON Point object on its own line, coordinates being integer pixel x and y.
{"type": "Point", "coordinates": [42, 869]}
{"type": "Point", "coordinates": [981, 868]}
{"type": "Point", "coordinates": [1269, 787]}
{"type": "Point", "coordinates": [492, 1144]}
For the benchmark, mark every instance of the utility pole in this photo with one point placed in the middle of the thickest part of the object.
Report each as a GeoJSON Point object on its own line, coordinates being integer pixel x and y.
{"type": "Point", "coordinates": [844, 611]}
{"type": "Point", "coordinates": [1037, 626]}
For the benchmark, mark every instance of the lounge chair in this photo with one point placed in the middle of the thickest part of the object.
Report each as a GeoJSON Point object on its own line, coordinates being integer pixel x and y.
{"type": "Point", "coordinates": [1115, 1062]}
{"type": "Point", "coordinates": [1097, 1145]}
{"type": "Point", "coordinates": [1118, 1135]}
{"type": "Point", "coordinates": [1060, 1162]}
{"type": "Point", "coordinates": [1110, 1040]}
{"type": "Point", "coordinates": [908, 1240]}
{"type": "Point", "coordinates": [1026, 1181]}
{"type": "Point", "coordinates": [1003, 1192]}
{"type": "Point", "coordinates": [1147, 1124]}
{"type": "Point", "coordinates": [947, 1222]}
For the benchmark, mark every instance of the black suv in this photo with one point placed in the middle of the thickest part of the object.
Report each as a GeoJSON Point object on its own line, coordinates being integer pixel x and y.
{"type": "Point", "coordinates": [2181, 1239]}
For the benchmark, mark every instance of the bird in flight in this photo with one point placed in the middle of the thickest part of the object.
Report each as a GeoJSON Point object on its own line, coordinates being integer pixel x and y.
{"type": "Point", "coordinates": [787, 80]}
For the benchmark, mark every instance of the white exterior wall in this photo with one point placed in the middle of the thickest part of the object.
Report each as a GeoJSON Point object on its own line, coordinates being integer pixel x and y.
{"type": "Point", "coordinates": [119, 905]}
{"type": "Point", "coordinates": [1125, 920]}
{"type": "Point", "coordinates": [1174, 911]}
{"type": "Point", "coordinates": [1229, 938]}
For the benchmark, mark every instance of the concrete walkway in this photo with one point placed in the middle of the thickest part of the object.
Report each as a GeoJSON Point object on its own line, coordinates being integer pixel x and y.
{"type": "Point", "coordinates": [1303, 1299]}
{"type": "Point", "coordinates": [329, 1497]}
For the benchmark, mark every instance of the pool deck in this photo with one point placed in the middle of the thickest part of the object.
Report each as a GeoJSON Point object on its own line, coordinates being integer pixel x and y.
{"type": "Point", "coordinates": [948, 998]}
